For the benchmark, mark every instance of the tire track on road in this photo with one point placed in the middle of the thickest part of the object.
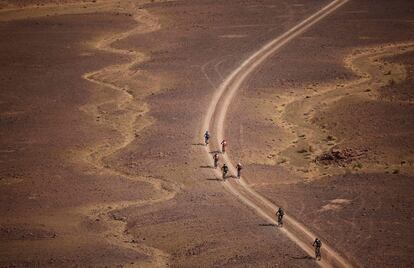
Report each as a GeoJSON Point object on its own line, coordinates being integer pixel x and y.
{"type": "Point", "coordinates": [214, 121]}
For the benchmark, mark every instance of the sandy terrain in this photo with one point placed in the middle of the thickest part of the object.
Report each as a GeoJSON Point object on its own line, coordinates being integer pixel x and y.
{"type": "Point", "coordinates": [335, 144]}
{"type": "Point", "coordinates": [103, 108]}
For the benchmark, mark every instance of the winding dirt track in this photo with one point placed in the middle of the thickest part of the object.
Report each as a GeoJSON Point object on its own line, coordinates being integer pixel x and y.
{"type": "Point", "coordinates": [214, 121]}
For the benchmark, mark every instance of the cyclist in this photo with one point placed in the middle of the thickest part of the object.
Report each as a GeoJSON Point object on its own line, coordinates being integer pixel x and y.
{"type": "Point", "coordinates": [279, 214]}
{"type": "Point", "coordinates": [239, 168]}
{"type": "Point", "coordinates": [223, 146]}
{"type": "Point", "coordinates": [317, 244]}
{"type": "Point", "coordinates": [206, 137]}
{"type": "Point", "coordinates": [215, 159]}
{"type": "Point", "coordinates": [225, 169]}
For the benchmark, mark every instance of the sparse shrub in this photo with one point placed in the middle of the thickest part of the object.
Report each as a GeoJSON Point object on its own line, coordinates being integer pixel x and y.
{"type": "Point", "coordinates": [283, 160]}
{"type": "Point", "coordinates": [358, 165]}
{"type": "Point", "coordinates": [301, 151]}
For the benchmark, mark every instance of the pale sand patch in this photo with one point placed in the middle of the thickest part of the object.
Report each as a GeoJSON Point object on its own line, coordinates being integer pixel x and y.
{"type": "Point", "coordinates": [295, 110]}
{"type": "Point", "coordinates": [10, 181]}
{"type": "Point", "coordinates": [125, 112]}
{"type": "Point", "coordinates": [335, 204]}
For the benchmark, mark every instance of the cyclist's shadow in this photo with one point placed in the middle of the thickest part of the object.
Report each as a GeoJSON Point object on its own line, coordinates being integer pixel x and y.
{"type": "Point", "coordinates": [206, 166]}
{"type": "Point", "coordinates": [267, 224]}
{"type": "Point", "coordinates": [198, 144]}
{"type": "Point", "coordinates": [214, 179]}
{"type": "Point", "coordinates": [306, 257]}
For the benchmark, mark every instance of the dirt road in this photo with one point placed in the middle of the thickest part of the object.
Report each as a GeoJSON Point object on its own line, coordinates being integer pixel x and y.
{"type": "Point", "coordinates": [214, 121]}
{"type": "Point", "coordinates": [101, 160]}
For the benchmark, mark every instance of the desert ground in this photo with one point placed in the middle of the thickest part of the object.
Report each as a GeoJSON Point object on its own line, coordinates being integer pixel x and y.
{"type": "Point", "coordinates": [103, 109]}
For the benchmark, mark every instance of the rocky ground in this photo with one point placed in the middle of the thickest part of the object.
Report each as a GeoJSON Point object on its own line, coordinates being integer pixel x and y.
{"type": "Point", "coordinates": [102, 103]}
{"type": "Point", "coordinates": [338, 128]}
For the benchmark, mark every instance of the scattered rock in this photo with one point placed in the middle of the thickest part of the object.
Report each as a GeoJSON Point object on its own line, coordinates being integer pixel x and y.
{"type": "Point", "coordinates": [118, 217]}
{"type": "Point", "coordinates": [340, 157]}
{"type": "Point", "coordinates": [301, 151]}
{"type": "Point", "coordinates": [282, 161]}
